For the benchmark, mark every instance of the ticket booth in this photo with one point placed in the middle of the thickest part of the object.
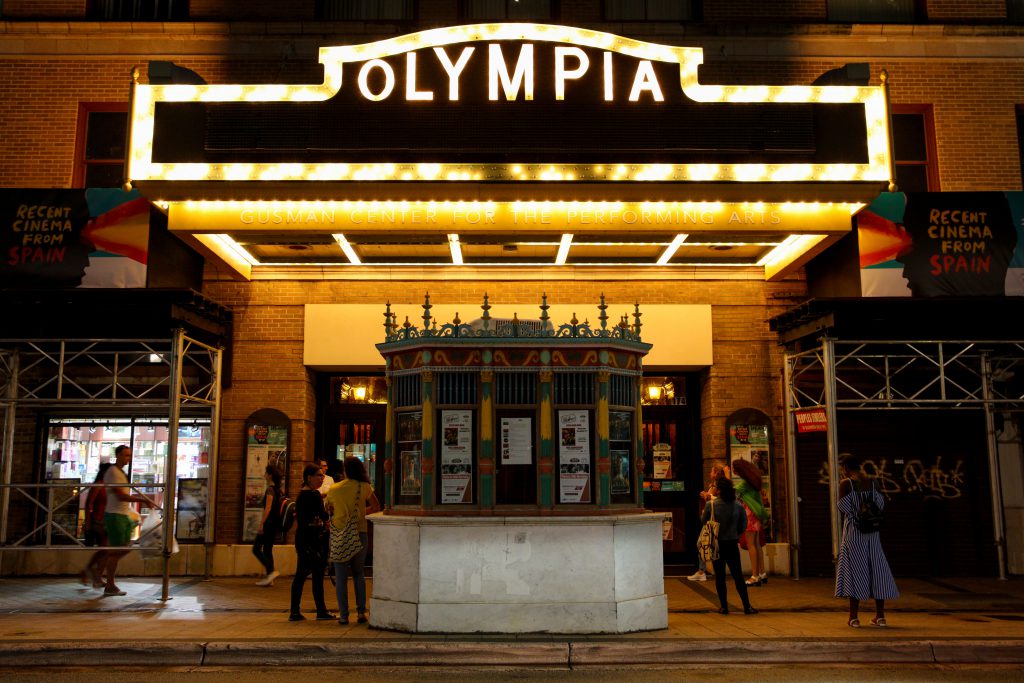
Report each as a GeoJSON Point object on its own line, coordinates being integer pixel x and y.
{"type": "Point", "coordinates": [513, 486]}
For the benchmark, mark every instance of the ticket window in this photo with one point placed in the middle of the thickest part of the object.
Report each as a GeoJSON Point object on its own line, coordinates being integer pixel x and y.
{"type": "Point", "coordinates": [516, 446]}
{"type": "Point", "coordinates": [515, 475]}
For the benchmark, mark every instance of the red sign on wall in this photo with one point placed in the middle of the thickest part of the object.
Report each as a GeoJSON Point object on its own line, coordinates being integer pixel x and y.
{"type": "Point", "coordinates": [811, 420]}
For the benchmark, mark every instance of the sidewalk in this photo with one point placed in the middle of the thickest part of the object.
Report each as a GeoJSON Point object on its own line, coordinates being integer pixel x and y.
{"type": "Point", "coordinates": [231, 622]}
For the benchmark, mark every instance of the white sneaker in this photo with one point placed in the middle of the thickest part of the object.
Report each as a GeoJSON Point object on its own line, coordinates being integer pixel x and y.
{"type": "Point", "coordinates": [268, 580]}
{"type": "Point", "coordinates": [698, 576]}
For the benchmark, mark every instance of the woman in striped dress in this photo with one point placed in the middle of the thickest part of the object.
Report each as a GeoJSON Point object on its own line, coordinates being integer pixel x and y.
{"type": "Point", "coordinates": [862, 571]}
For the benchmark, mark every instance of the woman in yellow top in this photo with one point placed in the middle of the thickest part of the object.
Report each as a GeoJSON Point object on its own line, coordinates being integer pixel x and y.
{"type": "Point", "coordinates": [353, 495]}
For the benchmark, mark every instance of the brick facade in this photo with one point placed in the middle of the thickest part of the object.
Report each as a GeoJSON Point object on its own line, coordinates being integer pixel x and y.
{"type": "Point", "coordinates": [47, 70]}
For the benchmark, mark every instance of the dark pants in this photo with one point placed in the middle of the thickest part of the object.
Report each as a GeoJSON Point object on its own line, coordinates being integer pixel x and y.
{"type": "Point", "coordinates": [263, 549]}
{"type": "Point", "coordinates": [729, 556]}
{"type": "Point", "coordinates": [309, 561]}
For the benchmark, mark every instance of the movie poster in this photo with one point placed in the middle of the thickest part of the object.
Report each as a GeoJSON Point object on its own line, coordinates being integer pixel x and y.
{"type": "Point", "coordinates": [573, 456]}
{"type": "Point", "coordinates": [193, 498]}
{"type": "Point", "coordinates": [456, 456]}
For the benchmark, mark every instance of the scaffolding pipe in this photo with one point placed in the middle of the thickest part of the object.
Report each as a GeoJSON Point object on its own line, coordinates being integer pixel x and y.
{"type": "Point", "coordinates": [8, 446]}
{"type": "Point", "coordinates": [828, 363]}
{"type": "Point", "coordinates": [211, 501]}
{"type": "Point", "coordinates": [993, 466]}
{"type": "Point", "coordinates": [171, 461]}
{"type": "Point", "coordinates": [791, 471]}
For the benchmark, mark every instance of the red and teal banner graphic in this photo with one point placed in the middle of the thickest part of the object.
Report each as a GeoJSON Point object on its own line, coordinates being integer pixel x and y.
{"type": "Point", "coordinates": [934, 244]}
{"type": "Point", "coordinates": [73, 238]}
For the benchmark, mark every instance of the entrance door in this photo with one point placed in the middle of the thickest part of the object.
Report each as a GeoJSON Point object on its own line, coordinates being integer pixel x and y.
{"type": "Point", "coordinates": [673, 485]}
{"type": "Point", "coordinates": [352, 416]}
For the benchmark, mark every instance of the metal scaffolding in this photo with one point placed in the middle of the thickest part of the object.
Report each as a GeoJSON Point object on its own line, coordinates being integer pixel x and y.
{"type": "Point", "coordinates": [901, 375]}
{"type": "Point", "coordinates": [171, 377]}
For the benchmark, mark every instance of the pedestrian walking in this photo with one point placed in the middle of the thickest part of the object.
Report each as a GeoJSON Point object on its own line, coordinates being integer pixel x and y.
{"type": "Point", "coordinates": [270, 524]}
{"type": "Point", "coordinates": [732, 521]}
{"type": "Point", "coordinates": [719, 469]}
{"type": "Point", "coordinates": [95, 531]}
{"type": "Point", "coordinates": [353, 495]}
{"type": "Point", "coordinates": [748, 490]}
{"type": "Point", "coordinates": [862, 571]}
{"type": "Point", "coordinates": [119, 519]}
{"type": "Point", "coordinates": [310, 518]}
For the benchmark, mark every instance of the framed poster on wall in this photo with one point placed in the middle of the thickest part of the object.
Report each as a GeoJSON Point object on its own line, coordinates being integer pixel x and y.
{"type": "Point", "coordinates": [267, 433]}
{"type": "Point", "coordinates": [749, 433]}
{"type": "Point", "coordinates": [193, 501]}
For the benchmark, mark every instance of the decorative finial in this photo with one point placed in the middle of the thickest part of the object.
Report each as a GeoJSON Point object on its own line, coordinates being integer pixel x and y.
{"type": "Point", "coordinates": [387, 321]}
{"type": "Point", "coordinates": [636, 317]}
{"type": "Point", "coordinates": [544, 317]}
{"type": "Point", "coordinates": [426, 311]}
{"type": "Point", "coordinates": [407, 324]}
{"type": "Point", "coordinates": [604, 316]}
{"type": "Point", "coordinates": [515, 323]}
{"type": "Point", "coordinates": [455, 320]}
{"type": "Point", "coordinates": [486, 317]}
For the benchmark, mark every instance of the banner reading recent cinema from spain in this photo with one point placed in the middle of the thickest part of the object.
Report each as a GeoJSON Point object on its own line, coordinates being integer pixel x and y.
{"type": "Point", "coordinates": [73, 238]}
{"type": "Point", "coordinates": [931, 244]}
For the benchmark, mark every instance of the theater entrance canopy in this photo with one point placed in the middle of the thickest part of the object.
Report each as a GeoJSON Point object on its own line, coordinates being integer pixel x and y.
{"type": "Point", "coordinates": [511, 147]}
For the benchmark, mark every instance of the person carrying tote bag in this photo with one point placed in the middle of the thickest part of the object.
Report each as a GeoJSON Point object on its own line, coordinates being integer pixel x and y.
{"type": "Point", "coordinates": [349, 501]}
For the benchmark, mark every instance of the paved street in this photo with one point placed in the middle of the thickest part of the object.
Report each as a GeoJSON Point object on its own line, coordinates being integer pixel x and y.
{"type": "Point", "coordinates": [231, 622]}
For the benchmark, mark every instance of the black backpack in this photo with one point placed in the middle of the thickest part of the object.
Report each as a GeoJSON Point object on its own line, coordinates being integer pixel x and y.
{"type": "Point", "coordinates": [869, 516]}
{"type": "Point", "coordinates": [286, 513]}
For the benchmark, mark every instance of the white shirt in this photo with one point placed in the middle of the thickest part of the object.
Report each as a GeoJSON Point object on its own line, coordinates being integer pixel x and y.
{"type": "Point", "coordinates": [326, 486]}
{"type": "Point", "coordinates": [116, 506]}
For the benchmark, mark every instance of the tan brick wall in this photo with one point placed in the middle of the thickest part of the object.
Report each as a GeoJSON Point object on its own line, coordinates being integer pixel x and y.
{"type": "Point", "coordinates": [263, 10]}
{"type": "Point", "coordinates": [786, 11]}
{"type": "Point", "coordinates": [44, 9]}
{"type": "Point", "coordinates": [966, 10]}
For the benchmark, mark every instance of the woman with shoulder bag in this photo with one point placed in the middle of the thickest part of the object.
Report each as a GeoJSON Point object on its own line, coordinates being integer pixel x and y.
{"type": "Point", "coordinates": [310, 517]}
{"type": "Point", "coordinates": [732, 522]}
{"type": "Point", "coordinates": [349, 501]}
{"type": "Point", "coordinates": [862, 571]}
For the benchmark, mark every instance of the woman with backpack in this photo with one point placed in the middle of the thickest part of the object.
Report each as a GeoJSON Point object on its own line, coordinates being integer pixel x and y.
{"type": "Point", "coordinates": [862, 571]}
{"type": "Point", "coordinates": [270, 524]}
{"type": "Point", "coordinates": [732, 522]}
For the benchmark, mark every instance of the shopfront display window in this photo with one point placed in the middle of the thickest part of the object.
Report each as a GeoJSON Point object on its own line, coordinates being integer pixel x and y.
{"type": "Point", "coordinates": [75, 449]}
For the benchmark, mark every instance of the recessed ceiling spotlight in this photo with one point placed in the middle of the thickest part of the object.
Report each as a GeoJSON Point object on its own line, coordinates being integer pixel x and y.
{"type": "Point", "coordinates": [721, 247]}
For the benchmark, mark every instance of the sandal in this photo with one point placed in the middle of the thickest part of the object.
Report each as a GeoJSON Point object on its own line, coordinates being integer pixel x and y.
{"type": "Point", "coordinates": [879, 622]}
{"type": "Point", "coordinates": [854, 623]}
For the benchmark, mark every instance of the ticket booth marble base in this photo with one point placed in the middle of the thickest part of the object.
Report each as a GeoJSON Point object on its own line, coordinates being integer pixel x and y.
{"type": "Point", "coordinates": [598, 574]}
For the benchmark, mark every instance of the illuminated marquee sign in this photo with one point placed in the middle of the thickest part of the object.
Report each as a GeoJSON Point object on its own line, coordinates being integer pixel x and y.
{"type": "Point", "coordinates": [509, 103]}
{"type": "Point", "coordinates": [520, 217]}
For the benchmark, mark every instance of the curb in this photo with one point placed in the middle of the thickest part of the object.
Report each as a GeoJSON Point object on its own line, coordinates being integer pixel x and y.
{"type": "Point", "coordinates": [566, 655]}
